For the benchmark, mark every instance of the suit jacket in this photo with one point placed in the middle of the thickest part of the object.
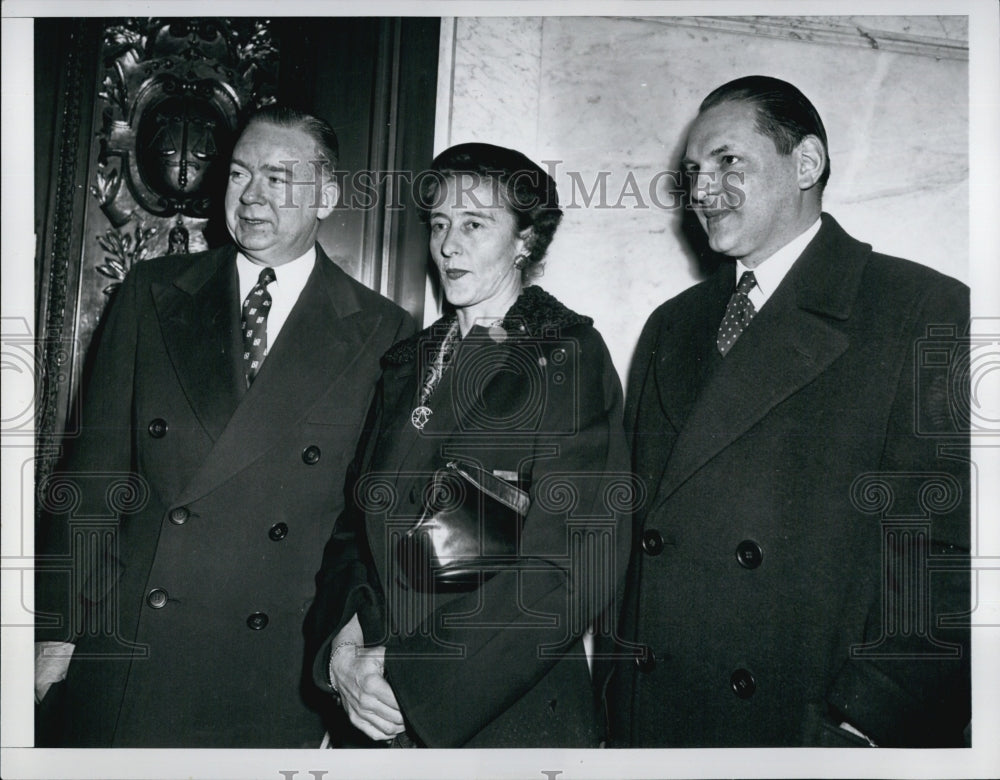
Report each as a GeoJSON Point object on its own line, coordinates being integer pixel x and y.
{"type": "Point", "coordinates": [502, 665]}
{"type": "Point", "coordinates": [208, 504]}
{"type": "Point", "coordinates": [800, 561]}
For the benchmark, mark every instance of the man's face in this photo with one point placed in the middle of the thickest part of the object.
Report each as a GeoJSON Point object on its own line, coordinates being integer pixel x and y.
{"type": "Point", "coordinates": [746, 194]}
{"type": "Point", "coordinates": [276, 197]}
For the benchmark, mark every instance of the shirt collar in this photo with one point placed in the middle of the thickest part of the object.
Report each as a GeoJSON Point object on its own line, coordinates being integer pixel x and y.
{"type": "Point", "coordinates": [770, 272]}
{"type": "Point", "coordinates": [291, 275]}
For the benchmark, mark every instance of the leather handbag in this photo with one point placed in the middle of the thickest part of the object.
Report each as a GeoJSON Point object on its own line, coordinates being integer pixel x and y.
{"type": "Point", "coordinates": [467, 532]}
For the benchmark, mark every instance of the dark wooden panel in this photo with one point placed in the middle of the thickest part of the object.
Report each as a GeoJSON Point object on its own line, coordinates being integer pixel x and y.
{"type": "Point", "coordinates": [408, 256]}
{"type": "Point", "coordinates": [70, 81]}
{"type": "Point", "coordinates": [382, 108]}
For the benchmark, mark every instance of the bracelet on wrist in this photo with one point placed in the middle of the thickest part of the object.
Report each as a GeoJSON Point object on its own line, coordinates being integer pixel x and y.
{"type": "Point", "coordinates": [333, 653]}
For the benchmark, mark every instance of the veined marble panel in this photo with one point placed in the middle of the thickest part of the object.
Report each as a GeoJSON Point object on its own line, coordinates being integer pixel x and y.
{"type": "Point", "coordinates": [496, 78]}
{"type": "Point", "coordinates": [608, 101]}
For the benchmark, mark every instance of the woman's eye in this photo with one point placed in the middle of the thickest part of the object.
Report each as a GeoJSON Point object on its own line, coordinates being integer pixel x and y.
{"type": "Point", "coordinates": [730, 159]}
{"type": "Point", "coordinates": [437, 227]}
{"type": "Point", "coordinates": [236, 175]}
{"type": "Point", "coordinates": [473, 225]}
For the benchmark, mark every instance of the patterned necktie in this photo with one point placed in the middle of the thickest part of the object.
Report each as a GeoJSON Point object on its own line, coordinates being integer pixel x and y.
{"type": "Point", "coordinates": [739, 312]}
{"type": "Point", "coordinates": [255, 309]}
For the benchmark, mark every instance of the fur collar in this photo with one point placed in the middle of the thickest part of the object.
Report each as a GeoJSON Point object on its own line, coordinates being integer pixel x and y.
{"type": "Point", "coordinates": [534, 314]}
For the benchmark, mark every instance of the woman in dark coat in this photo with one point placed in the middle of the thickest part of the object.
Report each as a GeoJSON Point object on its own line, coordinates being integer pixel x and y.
{"type": "Point", "coordinates": [516, 384]}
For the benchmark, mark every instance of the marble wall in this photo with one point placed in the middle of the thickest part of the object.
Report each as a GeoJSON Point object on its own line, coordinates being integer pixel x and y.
{"type": "Point", "coordinates": [609, 99]}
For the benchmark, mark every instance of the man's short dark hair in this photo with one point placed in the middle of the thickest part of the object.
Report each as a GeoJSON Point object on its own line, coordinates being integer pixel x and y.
{"type": "Point", "coordinates": [319, 130]}
{"type": "Point", "coordinates": [784, 114]}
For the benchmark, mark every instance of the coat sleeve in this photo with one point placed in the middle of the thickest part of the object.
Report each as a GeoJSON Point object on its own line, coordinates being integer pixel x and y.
{"type": "Point", "coordinates": [99, 459]}
{"type": "Point", "coordinates": [346, 583]}
{"type": "Point", "coordinates": [574, 546]}
{"type": "Point", "coordinates": [907, 682]}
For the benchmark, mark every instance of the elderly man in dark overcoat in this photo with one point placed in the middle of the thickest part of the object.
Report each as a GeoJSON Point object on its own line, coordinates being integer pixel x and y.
{"type": "Point", "coordinates": [799, 575]}
{"type": "Point", "coordinates": [228, 392]}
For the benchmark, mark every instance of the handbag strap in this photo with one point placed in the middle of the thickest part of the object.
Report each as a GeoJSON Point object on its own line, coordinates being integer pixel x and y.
{"type": "Point", "coordinates": [492, 485]}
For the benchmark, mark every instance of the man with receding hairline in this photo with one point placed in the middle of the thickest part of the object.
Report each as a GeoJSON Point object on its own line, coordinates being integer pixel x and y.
{"type": "Point", "coordinates": [771, 600]}
{"type": "Point", "coordinates": [233, 384]}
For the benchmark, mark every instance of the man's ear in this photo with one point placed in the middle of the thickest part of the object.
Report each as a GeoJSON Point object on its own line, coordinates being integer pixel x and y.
{"type": "Point", "coordinates": [811, 160]}
{"type": "Point", "coordinates": [329, 192]}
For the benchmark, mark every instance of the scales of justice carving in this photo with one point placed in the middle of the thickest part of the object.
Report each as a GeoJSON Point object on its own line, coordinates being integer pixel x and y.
{"type": "Point", "coordinates": [174, 92]}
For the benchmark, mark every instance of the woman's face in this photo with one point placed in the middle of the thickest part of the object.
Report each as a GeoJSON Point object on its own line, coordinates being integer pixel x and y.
{"type": "Point", "coordinates": [474, 242]}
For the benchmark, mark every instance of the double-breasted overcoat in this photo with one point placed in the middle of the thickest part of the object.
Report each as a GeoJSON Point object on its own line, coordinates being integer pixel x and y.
{"type": "Point", "coordinates": [801, 561]}
{"type": "Point", "coordinates": [193, 588]}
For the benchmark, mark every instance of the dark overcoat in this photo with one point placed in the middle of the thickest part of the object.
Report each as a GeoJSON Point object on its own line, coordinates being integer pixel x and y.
{"type": "Point", "coordinates": [799, 562]}
{"type": "Point", "coordinates": [538, 402]}
{"type": "Point", "coordinates": [188, 621]}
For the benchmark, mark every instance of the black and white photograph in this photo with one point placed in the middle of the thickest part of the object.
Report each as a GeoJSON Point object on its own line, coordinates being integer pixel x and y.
{"type": "Point", "coordinates": [547, 389]}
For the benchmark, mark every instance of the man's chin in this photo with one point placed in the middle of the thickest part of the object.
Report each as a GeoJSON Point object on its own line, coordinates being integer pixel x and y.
{"type": "Point", "coordinates": [252, 243]}
{"type": "Point", "coordinates": [720, 245]}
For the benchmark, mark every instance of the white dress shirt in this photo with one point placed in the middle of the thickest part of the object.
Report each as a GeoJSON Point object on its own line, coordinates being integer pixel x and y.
{"type": "Point", "coordinates": [772, 270]}
{"type": "Point", "coordinates": [289, 280]}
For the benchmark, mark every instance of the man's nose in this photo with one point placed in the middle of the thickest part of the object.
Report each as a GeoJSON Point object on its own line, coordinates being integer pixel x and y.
{"type": "Point", "coordinates": [253, 192]}
{"type": "Point", "coordinates": [704, 186]}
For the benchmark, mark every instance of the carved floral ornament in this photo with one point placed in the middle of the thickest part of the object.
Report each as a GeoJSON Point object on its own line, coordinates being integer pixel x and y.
{"type": "Point", "coordinates": [174, 92]}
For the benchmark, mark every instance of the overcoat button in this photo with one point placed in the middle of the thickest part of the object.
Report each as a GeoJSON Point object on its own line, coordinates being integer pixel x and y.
{"type": "Point", "coordinates": [157, 598]}
{"type": "Point", "coordinates": [179, 515]}
{"type": "Point", "coordinates": [310, 455]}
{"type": "Point", "coordinates": [157, 428]}
{"type": "Point", "coordinates": [645, 659]}
{"type": "Point", "coordinates": [257, 621]}
{"type": "Point", "coordinates": [743, 683]}
{"type": "Point", "coordinates": [749, 554]}
{"type": "Point", "coordinates": [652, 541]}
{"type": "Point", "coordinates": [278, 532]}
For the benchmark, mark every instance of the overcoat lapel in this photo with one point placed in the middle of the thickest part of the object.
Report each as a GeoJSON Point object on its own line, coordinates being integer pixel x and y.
{"type": "Point", "coordinates": [685, 346]}
{"type": "Point", "coordinates": [314, 349]}
{"type": "Point", "coordinates": [199, 322]}
{"type": "Point", "coordinates": [791, 342]}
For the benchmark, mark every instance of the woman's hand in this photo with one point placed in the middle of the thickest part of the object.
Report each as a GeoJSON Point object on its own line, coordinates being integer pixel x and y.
{"type": "Point", "coordinates": [356, 674]}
